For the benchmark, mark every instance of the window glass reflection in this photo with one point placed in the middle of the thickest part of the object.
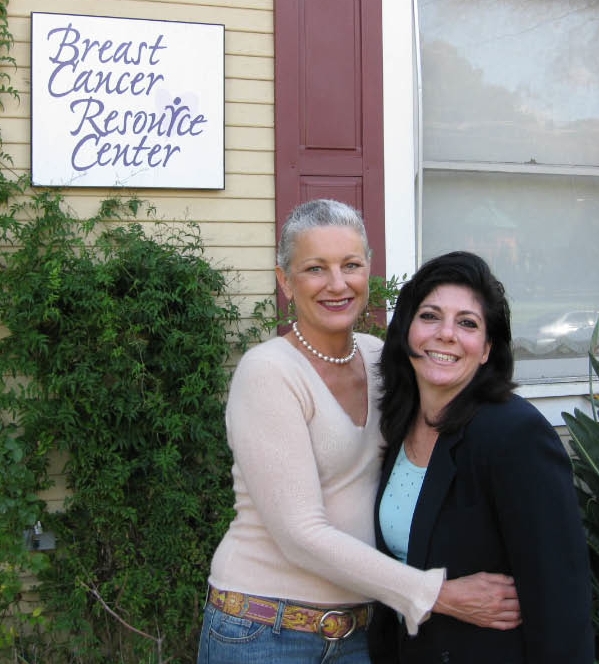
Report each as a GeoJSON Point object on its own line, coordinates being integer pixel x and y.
{"type": "Point", "coordinates": [511, 162]}
{"type": "Point", "coordinates": [511, 80]}
{"type": "Point", "coordinates": [541, 236]}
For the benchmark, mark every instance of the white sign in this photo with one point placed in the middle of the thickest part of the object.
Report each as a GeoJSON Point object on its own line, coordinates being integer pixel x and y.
{"type": "Point", "coordinates": [120, 102]}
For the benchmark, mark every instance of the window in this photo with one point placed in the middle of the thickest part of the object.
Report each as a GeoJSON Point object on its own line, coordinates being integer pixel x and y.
{"type": "Point", "coordinates": [509, 122]}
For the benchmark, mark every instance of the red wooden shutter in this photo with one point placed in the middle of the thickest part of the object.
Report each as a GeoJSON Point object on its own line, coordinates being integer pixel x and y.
{"type": "Point", "coordinates": [329, 109]}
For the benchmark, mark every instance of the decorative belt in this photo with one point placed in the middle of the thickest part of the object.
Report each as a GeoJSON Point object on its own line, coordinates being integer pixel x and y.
{"type": "Point", "coordinates": [332, 624]}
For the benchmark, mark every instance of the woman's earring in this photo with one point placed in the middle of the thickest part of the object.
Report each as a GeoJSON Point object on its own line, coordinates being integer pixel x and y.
{"type": "Point", "coordinates": [290, 311]}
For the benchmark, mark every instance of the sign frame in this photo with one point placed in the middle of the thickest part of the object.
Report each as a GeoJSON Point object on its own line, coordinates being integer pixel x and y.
{"type": "Point", "coordinates": [126, 102]}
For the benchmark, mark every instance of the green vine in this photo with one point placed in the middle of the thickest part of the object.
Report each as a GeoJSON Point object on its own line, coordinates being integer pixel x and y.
{"type": "Point", "coordinates": [114, 355]}
{"type": "Point", "coordinates": [12, 185]}
{"type": "Point", "coordinates": [21, 474]}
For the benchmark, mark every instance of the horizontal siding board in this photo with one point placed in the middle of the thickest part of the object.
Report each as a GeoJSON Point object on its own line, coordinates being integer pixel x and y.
{"type": "Point", "coordinates": [257, 282]}
{"type": "Point", "coordinates": [235, 18]}
{"type": "Point", "coordinates": [249, 67]}
{"type": "Point", "coordinates": [238, 234]}
{"type": "Point", "coordinates": [19, 153]}
{"type": "Point", "coordinates": [250, 186]}
{"type": "Point", "coordinates": [244, 90]}
{"type": "Point", "coordinates": [248, 115]}
{"type": "Point", "coordinates": [249, 138]}
{"type": "Point", "coordinates": [241, 258]}
{"type": "Point", "coordinates": [245, 4]}
{"type": "Point", "coordinates": [243, 43]}
{"type": "Point", "coordinates": [238, 161]}
{"type": "Point", "coordinates": [15, 130]}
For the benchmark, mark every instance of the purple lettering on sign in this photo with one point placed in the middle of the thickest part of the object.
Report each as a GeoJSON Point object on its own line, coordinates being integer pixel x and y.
{"type": "Point", "coordinates": [77, 49]}
{"type": "Point", "coordinates": [90, 152]}
{"type": "Point", "coordinates": [89, 72]}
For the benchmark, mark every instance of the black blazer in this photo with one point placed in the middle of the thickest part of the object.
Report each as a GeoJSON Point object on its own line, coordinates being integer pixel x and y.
{"type": "Point", "coordinates": [498, 497]}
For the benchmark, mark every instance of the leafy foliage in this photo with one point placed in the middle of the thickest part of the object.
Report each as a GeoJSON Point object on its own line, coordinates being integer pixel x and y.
{"type": "Point", "coordinates": [21, 466]}
{"type": "Point", "coordinates": [115, 355]}
{"type": "Point", "coordinates": [381, 300]}
{"type": "Point", "coordinates": [584, 432]}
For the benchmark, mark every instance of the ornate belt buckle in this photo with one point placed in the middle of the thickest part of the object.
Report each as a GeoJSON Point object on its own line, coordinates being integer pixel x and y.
{"type": "Point", "coordinates": [328, 614]}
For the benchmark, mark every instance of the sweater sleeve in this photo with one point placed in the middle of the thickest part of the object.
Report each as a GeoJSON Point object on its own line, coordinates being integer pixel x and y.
{"type": "Point", "coordinates": [538, 512]}
{"type": "Point", "coordinates": [267, 421]}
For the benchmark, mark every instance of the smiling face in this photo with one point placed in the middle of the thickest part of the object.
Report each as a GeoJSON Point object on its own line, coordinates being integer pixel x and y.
{"type": "Point", "coordinates": [449, 338]}
{"type": "Point", "coordinates": [328, 281]}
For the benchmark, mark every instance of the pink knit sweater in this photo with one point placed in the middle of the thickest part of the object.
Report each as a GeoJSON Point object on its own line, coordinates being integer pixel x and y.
{"type": "Point", "coordinates": [305, 478]}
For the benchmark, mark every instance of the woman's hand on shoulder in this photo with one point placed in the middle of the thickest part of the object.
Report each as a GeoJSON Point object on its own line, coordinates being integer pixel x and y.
{"type": "Point", "coordinates": [482, 599]}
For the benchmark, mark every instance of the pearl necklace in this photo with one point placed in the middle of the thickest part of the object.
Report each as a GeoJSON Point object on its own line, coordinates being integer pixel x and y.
{"type": "Point", "coordinates": [321, 356]}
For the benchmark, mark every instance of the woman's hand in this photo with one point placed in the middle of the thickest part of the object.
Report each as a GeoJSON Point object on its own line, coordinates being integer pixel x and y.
{"type": "Point", "coordinates": [483, 599]}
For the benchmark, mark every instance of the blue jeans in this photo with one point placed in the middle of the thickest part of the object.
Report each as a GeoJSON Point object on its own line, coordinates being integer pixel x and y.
{"type": "Point", "coordinates": [227, 639]}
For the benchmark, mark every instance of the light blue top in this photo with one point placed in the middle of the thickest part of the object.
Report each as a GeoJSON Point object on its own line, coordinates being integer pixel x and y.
{"type": "Point", "coordinates": [398, 503]}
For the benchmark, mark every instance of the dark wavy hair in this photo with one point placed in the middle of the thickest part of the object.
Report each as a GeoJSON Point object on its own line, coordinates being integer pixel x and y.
{"type": "Point", "coordinates": [492, 381]}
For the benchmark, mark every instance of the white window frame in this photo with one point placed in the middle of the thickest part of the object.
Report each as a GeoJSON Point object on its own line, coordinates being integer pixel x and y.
{"type": "Point", "coordinates": [403, 171]}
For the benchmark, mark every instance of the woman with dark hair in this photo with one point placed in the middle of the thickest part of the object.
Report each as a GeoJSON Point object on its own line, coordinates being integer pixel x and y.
{"type": "Point", "coordinates": [474, 478]}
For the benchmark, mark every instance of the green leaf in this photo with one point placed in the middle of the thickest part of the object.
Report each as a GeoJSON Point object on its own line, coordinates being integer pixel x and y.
{"type": "Point", "coordinates": [585, 437]}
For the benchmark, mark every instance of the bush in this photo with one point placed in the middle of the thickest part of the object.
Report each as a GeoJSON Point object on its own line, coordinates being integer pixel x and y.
{"type": "Point", "coordinates": [115, 355]}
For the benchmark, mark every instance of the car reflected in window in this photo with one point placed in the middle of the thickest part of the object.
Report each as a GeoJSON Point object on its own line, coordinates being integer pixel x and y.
{"type": "Point", "coordinates": [556, 334]}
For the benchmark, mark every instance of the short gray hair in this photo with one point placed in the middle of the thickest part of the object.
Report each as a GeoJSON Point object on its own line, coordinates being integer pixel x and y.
{"type": "Point", "coordinates": [319, 212]}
